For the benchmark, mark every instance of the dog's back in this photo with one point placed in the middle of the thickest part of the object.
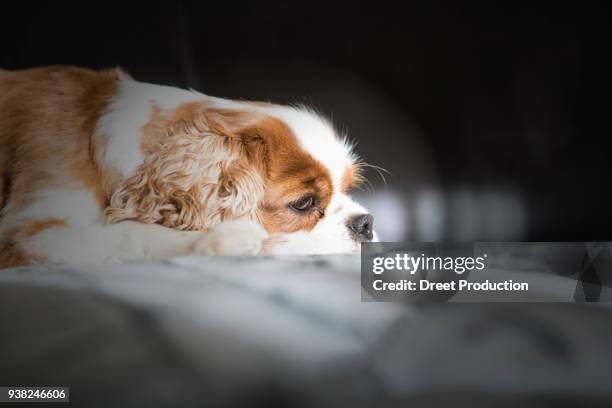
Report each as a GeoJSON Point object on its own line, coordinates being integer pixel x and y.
{"type": "Point", "coordinates": [47, 116]}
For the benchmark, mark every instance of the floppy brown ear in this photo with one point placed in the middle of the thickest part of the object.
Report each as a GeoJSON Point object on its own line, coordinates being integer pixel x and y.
{"type": "Point", "coordinates": [201, 166]}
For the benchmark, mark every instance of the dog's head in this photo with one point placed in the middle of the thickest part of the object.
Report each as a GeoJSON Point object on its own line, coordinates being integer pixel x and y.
{"type": "Point", "coordinates": [215, 160]}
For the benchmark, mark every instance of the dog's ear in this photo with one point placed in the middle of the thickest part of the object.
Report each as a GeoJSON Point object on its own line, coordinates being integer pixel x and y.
{"type": "Point", "coordinates": [201, 166]}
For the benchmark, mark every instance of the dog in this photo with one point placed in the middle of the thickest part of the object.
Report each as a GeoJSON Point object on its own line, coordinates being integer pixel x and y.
{"type": "Point", "coordinates": [96, 167]}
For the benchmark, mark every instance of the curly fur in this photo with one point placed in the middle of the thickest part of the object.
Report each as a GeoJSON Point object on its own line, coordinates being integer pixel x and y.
{"type": "Point", "coordinates": [199, 174]}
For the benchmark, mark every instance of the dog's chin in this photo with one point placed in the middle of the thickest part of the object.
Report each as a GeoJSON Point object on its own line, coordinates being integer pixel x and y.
{"type": "Point", "coordinates": [305, 243]}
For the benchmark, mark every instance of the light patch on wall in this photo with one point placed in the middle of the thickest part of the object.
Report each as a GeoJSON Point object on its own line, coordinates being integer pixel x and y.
{"type": "Point", "coordinates": [430, 215]}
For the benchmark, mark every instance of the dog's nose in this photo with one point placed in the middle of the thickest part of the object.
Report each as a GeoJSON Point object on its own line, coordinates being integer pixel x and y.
{"type": "Point", "coordinates": [361, 225]}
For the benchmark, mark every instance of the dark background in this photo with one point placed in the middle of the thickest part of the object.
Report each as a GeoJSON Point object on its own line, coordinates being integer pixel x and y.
{"type": "Point", "coordinates": [493, 119]}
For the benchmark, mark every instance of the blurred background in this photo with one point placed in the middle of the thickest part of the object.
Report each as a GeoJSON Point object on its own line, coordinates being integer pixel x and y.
{"type": "Point", "coordinates": [492, 120]}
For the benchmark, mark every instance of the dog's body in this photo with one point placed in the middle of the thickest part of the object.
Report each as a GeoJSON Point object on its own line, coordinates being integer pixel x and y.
{"type": "Point", "coordinates": [95, 166]}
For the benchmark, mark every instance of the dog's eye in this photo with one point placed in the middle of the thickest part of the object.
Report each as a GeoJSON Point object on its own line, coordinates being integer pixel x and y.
{"type": "Point", "coordinates": [303, 204]}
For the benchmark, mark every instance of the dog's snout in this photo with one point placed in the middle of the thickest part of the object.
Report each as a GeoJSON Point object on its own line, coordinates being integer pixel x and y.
{"type": "Point", "coordinates": [361, 225]}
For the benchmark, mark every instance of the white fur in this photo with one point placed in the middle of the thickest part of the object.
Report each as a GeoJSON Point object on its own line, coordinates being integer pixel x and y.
{"type": "Point", "coordinates": [239, 237]}
{"type": "Point", "coordinates": [132, 241]}
{"type": "Point", "coordinates": [75, 205]}
{"type": "Point", "coordinates": [127, 113]}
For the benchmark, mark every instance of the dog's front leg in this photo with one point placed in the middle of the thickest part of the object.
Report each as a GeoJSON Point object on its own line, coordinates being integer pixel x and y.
{"type": "Point", "coordinates": [128, 241]}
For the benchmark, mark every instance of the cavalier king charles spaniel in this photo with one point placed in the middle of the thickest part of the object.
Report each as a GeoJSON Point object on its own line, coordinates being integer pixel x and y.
{"type": "Point", "coordinates": [95, 166]}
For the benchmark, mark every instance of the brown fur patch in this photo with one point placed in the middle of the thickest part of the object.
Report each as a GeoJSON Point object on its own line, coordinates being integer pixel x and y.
{"type": "Point", "coordinates": [47, 118]}
{"type": "Point", "coordinates": [291, 174]}
{"type": "Point", "coordinates": [11, 243]}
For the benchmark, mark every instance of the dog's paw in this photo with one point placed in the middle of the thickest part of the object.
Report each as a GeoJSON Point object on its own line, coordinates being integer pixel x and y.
{"type": "Point", "coordinates": [240, 237]}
